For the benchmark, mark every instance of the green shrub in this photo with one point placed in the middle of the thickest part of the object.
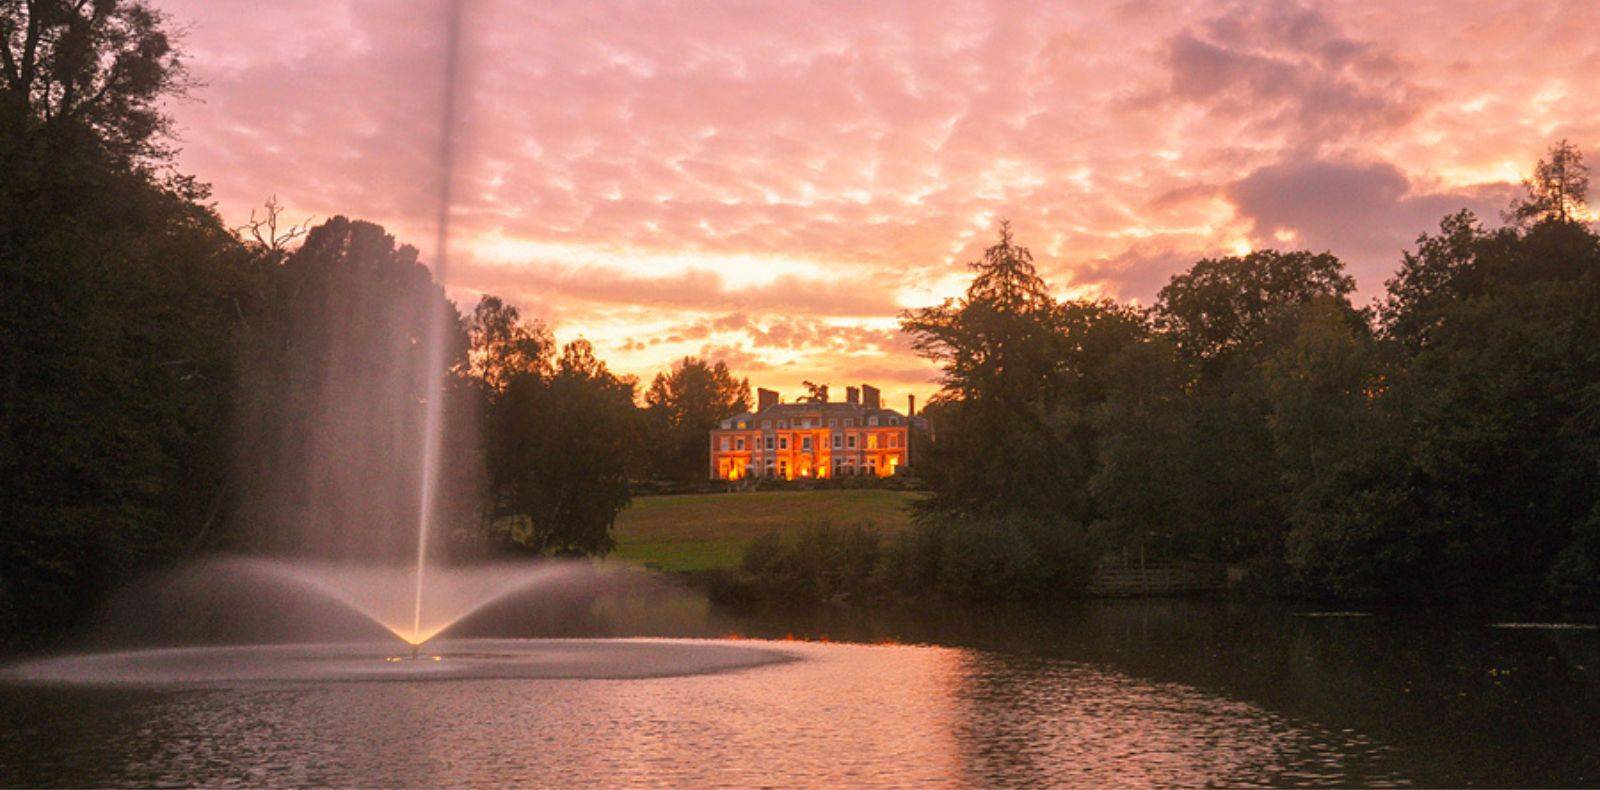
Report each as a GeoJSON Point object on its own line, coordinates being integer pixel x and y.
{"type": "Point", "coordinates": [969, 559]}
{"type": "Point", "coordinates": [991, 559]}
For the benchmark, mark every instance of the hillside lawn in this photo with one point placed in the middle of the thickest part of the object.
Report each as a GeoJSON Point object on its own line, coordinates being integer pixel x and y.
{"type": "Point", "coordinates": [696, 532]}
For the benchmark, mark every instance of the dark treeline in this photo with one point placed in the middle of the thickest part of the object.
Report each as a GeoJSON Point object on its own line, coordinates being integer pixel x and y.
{"type": "Point", "coordinates": [1440, 446]}
{"type": "Point", "coordinates": [171, 387]}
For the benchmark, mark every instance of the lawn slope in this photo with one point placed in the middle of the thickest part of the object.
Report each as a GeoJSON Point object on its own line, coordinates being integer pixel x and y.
{"type": "Point", "coordinates": [693, 532]}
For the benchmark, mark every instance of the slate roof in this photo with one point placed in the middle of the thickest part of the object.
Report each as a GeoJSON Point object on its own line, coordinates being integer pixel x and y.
{"type": "Point", "coordinates": [826, 411]}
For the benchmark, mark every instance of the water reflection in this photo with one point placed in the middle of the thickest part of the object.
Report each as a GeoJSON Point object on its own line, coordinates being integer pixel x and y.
{"type": "Point", "coordinates": [1118, 693]}
{"type": "Point", "coordinates": [846, 714]}
{"type": "Point", "coordinates": [1452, 700]}
{"type": "Point", "coordinates": [1039, 721]}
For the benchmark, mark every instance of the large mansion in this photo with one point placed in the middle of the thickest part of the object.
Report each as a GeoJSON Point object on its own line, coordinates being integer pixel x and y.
{"type": "Point", "coordinates": [812, 439]}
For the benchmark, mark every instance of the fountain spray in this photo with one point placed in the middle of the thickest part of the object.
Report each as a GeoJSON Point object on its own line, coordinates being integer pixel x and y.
{"type": "Point", "coordinates": [433, 420]}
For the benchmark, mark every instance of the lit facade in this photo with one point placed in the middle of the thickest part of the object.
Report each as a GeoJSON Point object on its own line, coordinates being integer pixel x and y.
{"type": "Point", "coordinates": [806, 439]}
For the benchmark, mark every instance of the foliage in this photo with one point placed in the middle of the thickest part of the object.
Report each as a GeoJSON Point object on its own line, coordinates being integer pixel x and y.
{"type": "Point", "coordinates": [820, 563]}
{"type": "Point", "coordinates": [980, 560]}
{"type": "Point", "coordinates": [558, 439]}
{"type": "Point", "coordinates": [115, 340]}
{"type": "Point", "coordinates": [682, 405]}
{"type": "Point", "coordinates": [815, 393]}
{"type": "Point", "coordinates": [1020, 375]}
{"type": "Point", "coordinates": [169, 388]}
{"type": "Point", "coordinates": [334, 371]}
{"type": "Point", "coordinates": [1223, 306]}
{"type": "Point", "coordinates": [1443, 447]}
{"type": "Point", "coordinates": [504, 347]}
{"type": "Point", "coordinates": [1558, 190]}
{"type": "Point", "coordinates": [89, 73]}
{"type": "Point", "coordinates": [994, 558]}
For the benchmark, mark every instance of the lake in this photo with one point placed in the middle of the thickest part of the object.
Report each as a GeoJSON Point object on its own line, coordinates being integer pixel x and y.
{"type": "Point", "coordinates": [1091, 693]}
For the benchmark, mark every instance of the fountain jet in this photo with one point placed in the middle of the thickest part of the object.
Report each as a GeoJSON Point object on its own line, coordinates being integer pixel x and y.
{"type": "Point", "coordinates": [433, 420]}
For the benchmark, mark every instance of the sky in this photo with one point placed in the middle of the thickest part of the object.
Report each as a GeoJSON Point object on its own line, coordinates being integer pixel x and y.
{"type": "Point", "coordinates": [769, 184]}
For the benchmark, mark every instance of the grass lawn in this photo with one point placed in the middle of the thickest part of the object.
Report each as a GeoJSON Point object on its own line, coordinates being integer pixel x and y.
{"type": "Point", "coordinates": [692, 532]}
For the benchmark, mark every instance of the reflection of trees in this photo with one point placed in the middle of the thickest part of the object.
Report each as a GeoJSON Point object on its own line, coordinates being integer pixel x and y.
{"type": "Point", "coordinates": [1030, 721]}
{"type": "Point", "coordinates": [1446, 698]}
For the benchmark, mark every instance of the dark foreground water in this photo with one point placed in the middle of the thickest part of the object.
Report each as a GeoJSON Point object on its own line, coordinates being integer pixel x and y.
{"type": "Point", "coordinates": [1130, 693]}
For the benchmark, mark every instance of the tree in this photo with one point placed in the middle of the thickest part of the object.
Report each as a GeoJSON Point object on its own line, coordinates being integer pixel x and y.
{"type": "Point", "coordinates": [1463, 261]}
{"type": "Point", "coordinates": [101, 67]}
{"type": "Point", "coordinates": [682, 405]}
{"type": "Point", "coordinates": [1146, 485]}
{"type": "Point", "coordinates": [269, 234]}
{"type": "Point", "coordinates": [335, 378]}
{"type": "Point", "coordinates": [1229, 316]}
{"type": "Point", "coordinates": [505, 347]}
{"type": "Point", "coordinates": [120, 289]}
{"type": "Point", "coordinates": [558, 451]}
{"type": "Point", "coordinates": [1475, 476]}
{"type": "Point", "coordinates": [815, 393]}
{"type": "Point", "coordinates": [1020, 374]}
{"type": "Point", "coordinates": [1558, 189]}
{"type": "Point", "coordinates": [1439, 271]}
{"type": "Point", "coordinates": [1226, 305]}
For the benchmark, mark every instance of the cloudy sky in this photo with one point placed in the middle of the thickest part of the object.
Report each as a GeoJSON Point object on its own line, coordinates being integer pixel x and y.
{"type": "Point", "coordinates": [770, 183]}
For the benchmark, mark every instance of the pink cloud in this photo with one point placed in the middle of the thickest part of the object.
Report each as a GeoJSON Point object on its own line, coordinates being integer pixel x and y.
{"type": "Point", "coordinates": [824, 162]}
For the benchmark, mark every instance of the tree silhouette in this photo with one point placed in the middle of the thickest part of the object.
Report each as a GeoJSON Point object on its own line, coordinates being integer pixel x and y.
{"type": "Point", "coordinates": [104, 66]}
{"type": "Point", "coordinates": [815, 393]}
{"type": "Point", "coordinates": [682, 405]}
{"type": "Point", "coordinates": [1558, 189]}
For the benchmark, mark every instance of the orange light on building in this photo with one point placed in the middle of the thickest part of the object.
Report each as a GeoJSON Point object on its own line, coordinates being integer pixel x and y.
{"type": "Point", "coordinates": [811, 439]}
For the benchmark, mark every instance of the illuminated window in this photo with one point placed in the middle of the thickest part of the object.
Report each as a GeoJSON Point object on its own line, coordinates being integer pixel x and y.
{"type": "Point", "coordinates": [872, 441]}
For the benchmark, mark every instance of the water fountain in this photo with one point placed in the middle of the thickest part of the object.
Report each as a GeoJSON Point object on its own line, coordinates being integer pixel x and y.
{"type": "Point", "coordinates": [414, 604]}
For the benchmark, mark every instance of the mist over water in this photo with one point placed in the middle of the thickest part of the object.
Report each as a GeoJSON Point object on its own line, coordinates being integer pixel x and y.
{"type": "Point", "coordinates": [237, 600]}
{"type": "Point", "coordinates": [385, 594]}
{"type": "Point", "coordinates": [357, 444]}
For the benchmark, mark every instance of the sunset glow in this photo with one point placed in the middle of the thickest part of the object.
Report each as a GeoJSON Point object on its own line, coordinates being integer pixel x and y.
{"type": "Point", "coordinates": [769, 184]}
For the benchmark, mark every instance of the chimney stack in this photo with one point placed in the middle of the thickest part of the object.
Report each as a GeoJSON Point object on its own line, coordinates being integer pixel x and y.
{"type": "Point", "coordinates": [765, 399]}
{"type": "Point", "coordinates": [911, 405]}
{"type": "Point", "coordinates": [852, 395]}
{"type": "Point", "coordinates": [869, 397]}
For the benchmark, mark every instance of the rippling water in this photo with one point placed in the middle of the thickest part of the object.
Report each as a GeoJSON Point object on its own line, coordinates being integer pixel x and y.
{"type": "Point", "coordinates": [841, 714]}
{"type": "Point", "coordinates": [1158, 693]}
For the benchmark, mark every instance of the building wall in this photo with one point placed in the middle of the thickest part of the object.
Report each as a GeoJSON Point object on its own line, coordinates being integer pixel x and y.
{"type": "Point", "coordinates": [878, 450]}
